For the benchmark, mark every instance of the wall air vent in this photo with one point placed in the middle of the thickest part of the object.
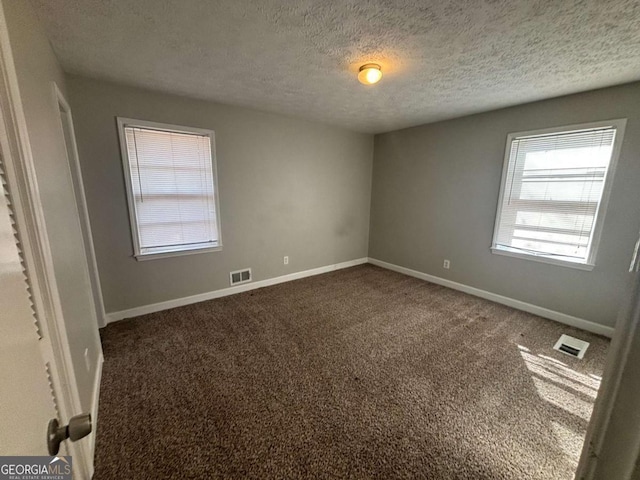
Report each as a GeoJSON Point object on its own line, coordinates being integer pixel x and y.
{"type": "Point", "coordinates": [240, 276]}
{"type": "Point", "coordinates": [571, 346]}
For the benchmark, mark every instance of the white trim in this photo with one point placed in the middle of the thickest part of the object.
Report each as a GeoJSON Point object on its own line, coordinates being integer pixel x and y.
{"type": "Point", "coordinates": [94, 412]}
{"type": "Point", "coordinates": [164, 127]}
{"type": "Point", "coordinates": [510, 302]}
{"type": "Point", "coordinates": [177, 253]}
{"type": "Point", "coordinates": [619, 126]}
{"type": "Point", "coordinates": [164, 252]}
{"type": "Point", "coordinates": [81, 201]}
{"type": "Point", "coordinates": [202, 297]}
{"type": "Point", "coordinates": [541, 259]}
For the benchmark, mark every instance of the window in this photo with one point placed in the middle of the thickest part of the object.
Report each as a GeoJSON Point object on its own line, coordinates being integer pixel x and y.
{"type": "Point", "coordinates": [555, 186]}
{"type": "Point", "coordinates": [170, 175]}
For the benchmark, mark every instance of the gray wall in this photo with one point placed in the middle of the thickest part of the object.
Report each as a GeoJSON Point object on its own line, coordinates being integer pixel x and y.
{"type": "Point", "coordinates": [37, 69]}
{"type": "Point", "coordinates": [287, 187]}
{"type": "Point", "coordinates": [435, 193]}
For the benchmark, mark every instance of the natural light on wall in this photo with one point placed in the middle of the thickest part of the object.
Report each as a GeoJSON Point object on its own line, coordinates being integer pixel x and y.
{"type": "Point", "coordinates": [553, 187]}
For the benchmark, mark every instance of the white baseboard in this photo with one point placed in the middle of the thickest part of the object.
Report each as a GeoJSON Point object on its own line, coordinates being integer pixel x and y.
{"type": "Point", "coordinates": [510, 302]}
{"type": "Point", "coordinates": [180, 302]}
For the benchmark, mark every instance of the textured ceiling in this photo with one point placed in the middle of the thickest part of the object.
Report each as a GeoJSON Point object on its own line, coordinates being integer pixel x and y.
{"type": "Point", "coordinates": [440, 58]}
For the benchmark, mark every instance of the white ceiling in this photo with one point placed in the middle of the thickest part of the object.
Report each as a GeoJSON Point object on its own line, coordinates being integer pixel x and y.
{"type": "Point", "coordinates": [441, 58]}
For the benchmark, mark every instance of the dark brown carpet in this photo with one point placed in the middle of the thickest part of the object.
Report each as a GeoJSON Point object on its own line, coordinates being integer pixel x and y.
{"type": "Point", "coordinates": [360, 373]}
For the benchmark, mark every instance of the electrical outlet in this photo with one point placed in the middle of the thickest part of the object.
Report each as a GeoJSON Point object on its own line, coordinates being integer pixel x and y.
{"type": "Point", "coordinates": [286, 260]}
{"type": "Point", "coordinates": [446, 264]}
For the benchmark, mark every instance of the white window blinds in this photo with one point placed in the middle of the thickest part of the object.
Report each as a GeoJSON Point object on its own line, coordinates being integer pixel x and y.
{"type": "Point", "coordinates": [171, 194]}
{"type": "Point", "coordinates": [552, 191]}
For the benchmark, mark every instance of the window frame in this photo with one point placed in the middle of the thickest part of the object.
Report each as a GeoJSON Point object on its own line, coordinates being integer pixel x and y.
{"type": "Point", "coordinates": [598, 221]}
{"type": "Point", "coordinates": [133, 218]}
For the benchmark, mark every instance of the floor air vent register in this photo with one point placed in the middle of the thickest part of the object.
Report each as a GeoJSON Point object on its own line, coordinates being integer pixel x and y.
{"type": "Point", "coordinates": [571, 346]}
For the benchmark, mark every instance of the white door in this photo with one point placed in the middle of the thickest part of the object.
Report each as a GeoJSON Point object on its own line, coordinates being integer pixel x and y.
{"type": "Point", "coordinates": [35, 385]}
{"type": "Point", "coordinates": [26, 401]}
{"type": "Point", "coordinates": [38, 381]}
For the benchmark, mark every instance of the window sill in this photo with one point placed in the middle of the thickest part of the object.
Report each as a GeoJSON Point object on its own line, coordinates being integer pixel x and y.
{"type": "Point", "coordinates": [141, 257]}
{"type": "Point", "coordinates": [541, 259]}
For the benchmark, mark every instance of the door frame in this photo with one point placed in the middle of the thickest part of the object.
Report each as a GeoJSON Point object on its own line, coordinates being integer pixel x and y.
{"type": "Point", "coordinates": [36, 251]}
{"type": "Point", "coordinates": [615, 391]}
{"type": "Point", "coordinates": [73, 159]}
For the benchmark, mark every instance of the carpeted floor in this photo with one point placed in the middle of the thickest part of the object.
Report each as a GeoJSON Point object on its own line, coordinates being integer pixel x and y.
{"type": "Point", "coordinates": [360, 373]}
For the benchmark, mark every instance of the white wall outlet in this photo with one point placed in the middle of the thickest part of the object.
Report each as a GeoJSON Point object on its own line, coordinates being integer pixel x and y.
{"type": "Point", "coordinates": [446, 264]}
{"type": "Point", "coordinates": [87, 362]}
{"type": "Point", "coordinates": [286, 260]}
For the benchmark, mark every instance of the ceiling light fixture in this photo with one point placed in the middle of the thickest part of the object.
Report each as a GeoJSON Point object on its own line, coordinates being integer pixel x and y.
{"type": "Point", "coordinates": [369, 73]}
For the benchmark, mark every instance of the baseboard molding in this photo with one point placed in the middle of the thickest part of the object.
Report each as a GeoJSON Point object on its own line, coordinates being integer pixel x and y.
{"type": "Point", "coordinates": [202, 297]}
{"type": "Point", "coordinates": [510, 302]}
{"type": "Point", "coordinates": [94, 413]}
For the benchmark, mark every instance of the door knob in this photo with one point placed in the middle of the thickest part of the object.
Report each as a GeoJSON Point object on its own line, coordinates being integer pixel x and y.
{"type": "Point", "coordinates": [79, 427]}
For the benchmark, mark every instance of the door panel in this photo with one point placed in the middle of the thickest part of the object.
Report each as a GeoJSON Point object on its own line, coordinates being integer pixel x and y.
{"type": "Point", "coordinates": [26, 401]}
